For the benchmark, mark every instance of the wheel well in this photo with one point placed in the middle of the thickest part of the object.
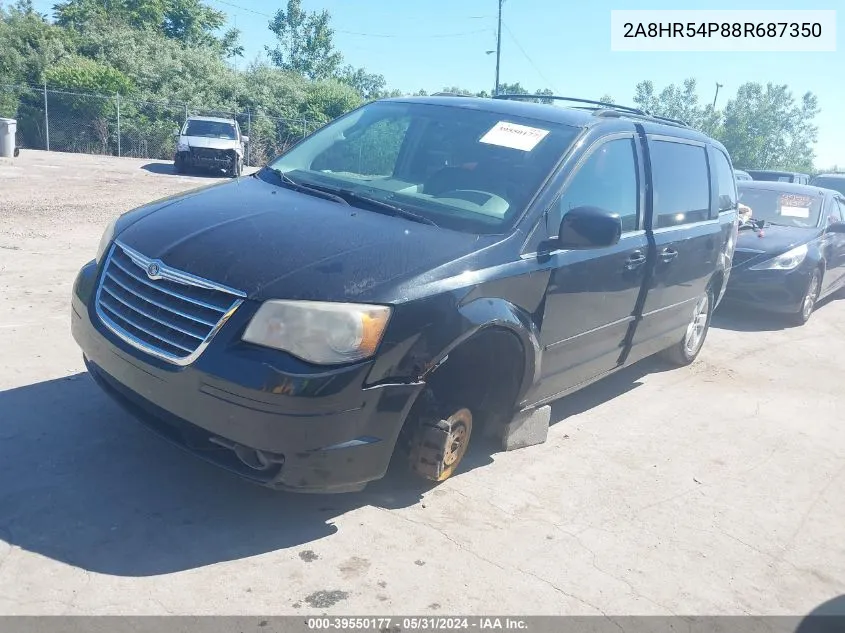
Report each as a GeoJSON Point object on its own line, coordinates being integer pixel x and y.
{"type": "Point", "coordinates": [484, 374]}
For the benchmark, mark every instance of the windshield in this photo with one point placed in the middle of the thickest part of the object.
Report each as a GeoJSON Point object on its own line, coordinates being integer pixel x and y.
{"type": "Point", "coordinates": [460, 168]}
{"type": "Point", "coordinates": [827, 182]}
{"type": "Point", "coordinates": [781, 207]}
{"type": "Point", "coordinates": [211, 129]}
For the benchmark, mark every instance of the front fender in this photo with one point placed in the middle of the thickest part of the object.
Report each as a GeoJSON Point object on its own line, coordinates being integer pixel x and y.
{"type": "Point", "coordinates": [431, 336]}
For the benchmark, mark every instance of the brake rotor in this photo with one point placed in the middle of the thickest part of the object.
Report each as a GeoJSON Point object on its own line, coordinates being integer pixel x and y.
{"type": "Point", "coordinates": [439, 446]}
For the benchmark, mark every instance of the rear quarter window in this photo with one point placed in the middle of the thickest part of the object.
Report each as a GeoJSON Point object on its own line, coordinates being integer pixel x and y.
{"type": "Point", "coordinates": [681, 179]}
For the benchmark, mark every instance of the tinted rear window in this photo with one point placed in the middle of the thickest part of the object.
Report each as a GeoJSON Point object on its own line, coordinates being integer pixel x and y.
{"type": "Point", "coordinates": [681, 183]}
{"type": "Point", "coordinates": [828, 182]}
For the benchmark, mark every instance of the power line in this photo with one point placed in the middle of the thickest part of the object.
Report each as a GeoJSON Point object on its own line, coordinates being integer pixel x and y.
{"type": "Point", "coordinates": [528, 57]}
{"type": "Point", "coordinates": [381, 35]}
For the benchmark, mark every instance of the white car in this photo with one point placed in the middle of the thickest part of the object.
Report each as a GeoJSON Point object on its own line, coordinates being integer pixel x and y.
{"type": "Point", "coordinates": [210, 143]}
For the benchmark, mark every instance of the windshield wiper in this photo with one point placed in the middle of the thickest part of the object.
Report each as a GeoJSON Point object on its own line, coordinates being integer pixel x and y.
{"type": "Point", "coordinates": [308, 189]}
{"type": "Point", "coordinates": [376, 203]}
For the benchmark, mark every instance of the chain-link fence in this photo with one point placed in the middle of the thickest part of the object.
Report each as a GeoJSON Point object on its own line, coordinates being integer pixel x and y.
{"type": "Point", "coordinates": [65, 121]}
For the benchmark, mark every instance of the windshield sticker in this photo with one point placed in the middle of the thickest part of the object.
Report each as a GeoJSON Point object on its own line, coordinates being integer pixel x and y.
{"type": "Point", "coordinates": [795, 212]}
{"type": "Point", "coordinates": [514, 136]}
{"type": "Point", "coordinates": [794, 200]}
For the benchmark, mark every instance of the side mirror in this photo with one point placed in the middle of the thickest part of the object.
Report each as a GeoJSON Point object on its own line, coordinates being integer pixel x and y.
{"type": "Point", "coordinates": [177, 134]}
{"type": "Point", "coordinates": [245, 139]}
{"type": "Point", "coordinates": [836, 227]}
{"type": "Point", "coordinates": [589, 227]}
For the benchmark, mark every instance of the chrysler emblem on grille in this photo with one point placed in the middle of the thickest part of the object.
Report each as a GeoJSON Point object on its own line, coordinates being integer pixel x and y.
{"type": "Point", "coordinates": [153, 270]}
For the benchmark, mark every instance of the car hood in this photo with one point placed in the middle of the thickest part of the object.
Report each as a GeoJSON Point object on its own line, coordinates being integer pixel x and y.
{"type": "Point", "coordinates": [210, 143]}
{"type": "Point", "coordinates": [271, 242]}
{"type": "Point", "coordinates": [774, 240]}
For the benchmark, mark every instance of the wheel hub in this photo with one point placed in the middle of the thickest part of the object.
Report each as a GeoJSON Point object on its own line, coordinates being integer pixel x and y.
{"type": "Point", "coordinates": [698, 325]}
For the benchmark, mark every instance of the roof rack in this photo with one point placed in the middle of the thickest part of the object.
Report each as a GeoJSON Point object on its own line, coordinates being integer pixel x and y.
{"type": "Point", "coordinates": [600, 108]}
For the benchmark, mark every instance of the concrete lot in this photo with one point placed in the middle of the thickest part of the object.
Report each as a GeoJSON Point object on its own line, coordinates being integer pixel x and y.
{"type": "Point", "coordinates": [715, 489]}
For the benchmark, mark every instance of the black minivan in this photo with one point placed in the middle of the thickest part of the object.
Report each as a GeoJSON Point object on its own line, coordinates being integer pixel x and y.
{"type": "Point", "coordinates": [413, 269]}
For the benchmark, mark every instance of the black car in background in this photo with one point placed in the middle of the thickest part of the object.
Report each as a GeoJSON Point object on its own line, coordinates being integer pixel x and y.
{"type": "Point", "coordinates": [792, 251]}
{"type": "Point", "coordinates": [835, 181]}
{"type": "Point", "coordinates": [416, 267]}
{"type": "Point", "coordinates": [778, 176]}
{"type": "Point", "coordinates": [742, 175]}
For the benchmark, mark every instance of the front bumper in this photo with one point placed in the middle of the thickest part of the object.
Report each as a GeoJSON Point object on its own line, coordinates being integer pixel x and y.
{"type": "Point", "coordinates": [207, 158]}
{"type": "Point", "coordinates": [318, 432]}
{"type": "Point", "coordinates": [779, 291]}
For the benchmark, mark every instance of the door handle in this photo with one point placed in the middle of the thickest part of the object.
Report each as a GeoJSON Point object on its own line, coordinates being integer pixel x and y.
{"type": "Point", "coordinates": [668, 254]}
{"type": "Point", "coordinates": [636, 260]}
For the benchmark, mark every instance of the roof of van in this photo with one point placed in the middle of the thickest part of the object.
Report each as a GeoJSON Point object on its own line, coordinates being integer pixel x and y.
{"type": "Point", "coordinates": [556, 114]}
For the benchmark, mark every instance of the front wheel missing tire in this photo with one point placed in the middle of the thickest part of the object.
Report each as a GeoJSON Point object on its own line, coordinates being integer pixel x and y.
{"type": "Point", "coordinates": [438, 446]}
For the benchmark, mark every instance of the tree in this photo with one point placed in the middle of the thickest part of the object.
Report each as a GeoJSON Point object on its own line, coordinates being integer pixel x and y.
{"type": "Point", "coordinates": [762, 127]}
{"type": "Point", "coordinates": [765, 128]}
{"type": "Point", "coordinates": [188, 21]}
{"type": "Point", "coordinates": [305, 43]}
{"type": "Point", "coordinates": [369, 85]}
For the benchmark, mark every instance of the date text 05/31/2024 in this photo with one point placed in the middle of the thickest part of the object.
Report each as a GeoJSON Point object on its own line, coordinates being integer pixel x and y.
{"type": "Point", "coordinates": [723, 29]}
{"type": "Point", "coordinates": [416, 624]}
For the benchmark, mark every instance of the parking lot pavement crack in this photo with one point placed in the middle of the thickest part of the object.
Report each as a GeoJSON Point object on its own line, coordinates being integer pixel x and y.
{"type": "Point", "coordinates": [495, 564]}
{"type": "Point", "coordinates": [581, 544]}
{"type": "Point", "coordinates": [806, 515]}
{"type": "Point", "coordinates": [595, 565]}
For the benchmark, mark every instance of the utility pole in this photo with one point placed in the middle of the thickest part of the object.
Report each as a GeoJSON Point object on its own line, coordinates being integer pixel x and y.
{"type": "Point", "coordinates": [498, 48]}
{"type": "Point", "coordinates": [718, 85]}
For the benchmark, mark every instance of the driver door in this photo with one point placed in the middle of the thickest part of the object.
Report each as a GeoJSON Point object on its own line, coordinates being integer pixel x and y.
{"type": "Point", "coordinates": [592, 294]}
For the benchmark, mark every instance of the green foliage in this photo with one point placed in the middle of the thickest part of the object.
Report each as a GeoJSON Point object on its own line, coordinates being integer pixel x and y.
{"type": "Point", "coordinates": [28, 44]}
{"type": "Point", "coordinates": [369, 85]}
{"type": "Point", "coordinates": [304, 42]}
{"type": "Point", "coordinates": [82, 74]}
{"type": "Point", "coordinates": [374, 152]}
{"type": "Point", "coordinates": [765, 128]}
{"type": "Point", "coordinates": [762, 127]}
{"type": "Point", "coordinates": [186, 21]}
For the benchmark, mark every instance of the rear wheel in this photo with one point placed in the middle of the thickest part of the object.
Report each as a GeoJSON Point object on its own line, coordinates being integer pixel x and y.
{"type": "Point", "coordinates": [808, 302]}
{"type": "Point", "coordinates": [178, 165]}
{"type": "Point", "coordinates": [687, 349]}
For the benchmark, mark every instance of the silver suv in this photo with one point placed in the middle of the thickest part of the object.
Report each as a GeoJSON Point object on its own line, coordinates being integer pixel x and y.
{"type": "Point", "coordinates": [210, 143]}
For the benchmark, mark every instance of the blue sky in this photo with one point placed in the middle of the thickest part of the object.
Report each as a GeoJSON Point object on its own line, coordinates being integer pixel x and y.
{"type": "Point", "coordinates": [436, 43]}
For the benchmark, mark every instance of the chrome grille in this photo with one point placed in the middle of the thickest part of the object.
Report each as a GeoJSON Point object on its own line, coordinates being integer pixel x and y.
{"type": "Point", "coordinates": [165, 312]}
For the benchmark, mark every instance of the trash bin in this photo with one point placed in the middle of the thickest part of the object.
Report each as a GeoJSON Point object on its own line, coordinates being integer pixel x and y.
{"type": "Point", "coordinates": [8, 127]}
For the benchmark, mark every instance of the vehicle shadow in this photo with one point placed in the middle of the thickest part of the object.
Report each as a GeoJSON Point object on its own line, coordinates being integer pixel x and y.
{"type": "Point", "coordinates": [82, 483]}
{"type": "Point", "coordinates": [828, 617]}
{"type": "Point", "coordinates": [613, 386]}
{"type": "Point", "coordinates": [743, 319]}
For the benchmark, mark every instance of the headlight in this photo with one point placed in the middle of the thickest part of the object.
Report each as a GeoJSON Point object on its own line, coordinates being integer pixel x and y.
{"type": "Point", "coordinates": [108, 236]}
{"type": "Point", "coordinates": [182, 146]}
{"type": "Point", "coordinates": [788, 261]}
{"type": "Point", "coordinates": [324, 333]}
